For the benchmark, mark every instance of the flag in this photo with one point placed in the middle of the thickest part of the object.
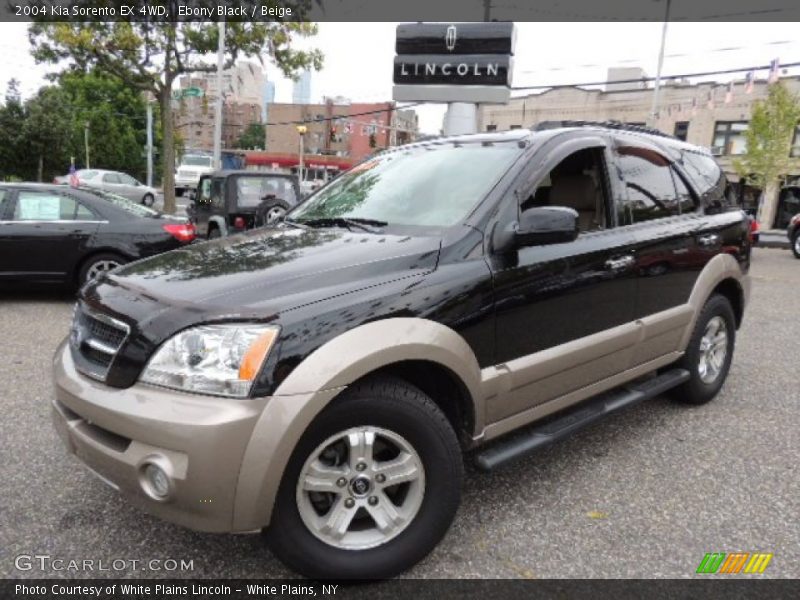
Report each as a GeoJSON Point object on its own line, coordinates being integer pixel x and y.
{"type": "Point", "coordinates": [774, 68]}
{"type": "Point", "coordinates": [73, 177]}
{"type": "Point", "coordinates": [749, 82]}
{"type": "Point", "coordinates": [729, 93]}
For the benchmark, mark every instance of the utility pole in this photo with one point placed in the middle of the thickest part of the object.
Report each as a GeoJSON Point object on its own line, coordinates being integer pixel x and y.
{"type": "Point", "coordinates": [657, 86]}
{"type": "Point", "coordinates": [149, 142]}
{"type": "Point", "coordinates": [301, 129]}
{"type": "Point", "coordinates": [487, 10]}
{"type": "Point", "coordinates": [86, 142]}
{"type": "Point", "coordinates": [218, 104]}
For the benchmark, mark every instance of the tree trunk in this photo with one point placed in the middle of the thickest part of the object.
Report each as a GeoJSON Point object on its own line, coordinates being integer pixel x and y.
{"type": "Point", "coordinates": [167, 148]}
{"type": "Point", "coordinates": [769, 205]}
{"type": "Point", "coordinates": [40, 169]}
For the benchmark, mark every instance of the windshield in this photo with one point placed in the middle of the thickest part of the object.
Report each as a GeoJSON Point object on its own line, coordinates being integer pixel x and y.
{"type": "Point", "coordinates": [124, 203]}
{"type": "Point", "coordinates": [252, 189]}
{"type": "Point", "coordinates": [196, 161]}
{"type": "Point", "coordinates": [436, 185]}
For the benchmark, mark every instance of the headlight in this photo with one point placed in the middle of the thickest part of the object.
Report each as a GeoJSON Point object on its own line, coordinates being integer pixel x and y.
{"type": "Point", "coordinates": [223, 360]}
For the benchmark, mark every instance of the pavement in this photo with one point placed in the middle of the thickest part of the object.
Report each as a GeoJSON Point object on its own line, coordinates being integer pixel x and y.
{"type": "Point", "coordinates": [645, 493]}
{"type": "Point", "coordinates": [773, 238]}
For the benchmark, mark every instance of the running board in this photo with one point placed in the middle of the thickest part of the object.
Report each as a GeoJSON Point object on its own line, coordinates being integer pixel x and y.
{"type": "Point", "coordinates": [531, 439]}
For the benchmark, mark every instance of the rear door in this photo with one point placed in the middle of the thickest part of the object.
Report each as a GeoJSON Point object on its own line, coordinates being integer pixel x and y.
{"type": "Point", "coordinates": [673, 241]}
{"type": "Point", "coordinates": [44, 235]}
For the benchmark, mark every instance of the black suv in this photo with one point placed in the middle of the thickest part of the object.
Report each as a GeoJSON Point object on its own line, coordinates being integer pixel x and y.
{"type": "Point", "coordinates": [319, 379]}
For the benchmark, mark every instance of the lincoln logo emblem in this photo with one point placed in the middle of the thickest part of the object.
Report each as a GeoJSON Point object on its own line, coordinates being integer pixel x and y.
{"type": "Point", "coordinates": [450, 38]}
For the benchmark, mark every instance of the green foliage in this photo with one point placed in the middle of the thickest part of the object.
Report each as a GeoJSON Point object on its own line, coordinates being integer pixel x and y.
{"type": "Point", "coordinates": [50, 126]}
{"type": "Point", "coordinates": [253, 138]}
{"type": "Point", "coordinates": [769, 137]}
{"type": "Point", "coordinates": [150, 55]}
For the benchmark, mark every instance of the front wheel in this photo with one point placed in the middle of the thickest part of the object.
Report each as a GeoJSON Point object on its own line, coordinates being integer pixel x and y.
{"type": "Point", "coordinates": [710, 352]}
{"type": "Point", "coordinates": [796, 244]}
{"type": "Point", "coordinates": [371, 487]}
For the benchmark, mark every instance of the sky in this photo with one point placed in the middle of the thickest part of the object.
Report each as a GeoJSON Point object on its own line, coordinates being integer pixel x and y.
{"type": "Point", "coordinates": [358, 56]}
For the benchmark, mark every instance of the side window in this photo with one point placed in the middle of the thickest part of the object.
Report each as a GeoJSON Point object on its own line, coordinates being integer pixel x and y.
{"type": "Point", "coordinates": [84, 214]}
{"type": "Point", "coordinates": [126, 179]}
{"type": "Point", "coordinates": [204, 193]}
{"type": "Point", "coordinates": [217, 192]}
{"type": "Point", "coordinates": [686, 202]}
{"type": "Point", "coordinates": [4, 204]}
{"type": "Point", "coordinates": [43, 206]}
{"type": "Point", "coordinates": [577, 182]}
{"type": "Point", "coordinates": [649, 188]}
{"type": "Point", "coordinates": [110, 178]}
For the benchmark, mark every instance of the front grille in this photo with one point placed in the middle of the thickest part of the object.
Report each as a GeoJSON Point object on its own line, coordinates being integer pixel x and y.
{"type": "Point", "coordinates": [96, 338]}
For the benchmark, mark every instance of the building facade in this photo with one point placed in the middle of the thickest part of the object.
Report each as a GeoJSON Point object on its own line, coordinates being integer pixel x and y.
{"type": "Point", "coordinates": [339, 128]}
{"type": "Point", "coordinates": [244, 87]}
{"type": "Point", "coordinates": [711, 115]}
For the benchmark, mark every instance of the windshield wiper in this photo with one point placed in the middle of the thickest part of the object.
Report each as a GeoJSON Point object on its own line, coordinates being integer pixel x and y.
{"type": "Point", "coordinates": [370, 225]}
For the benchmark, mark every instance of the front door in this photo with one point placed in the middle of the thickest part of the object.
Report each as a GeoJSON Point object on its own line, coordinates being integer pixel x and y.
{"type": "Point", "coordinates": [553, 301]}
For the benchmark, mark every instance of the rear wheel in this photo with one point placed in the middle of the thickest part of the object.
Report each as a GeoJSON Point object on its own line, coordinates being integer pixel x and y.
{"type": "Point", "coordinates": [148, 200]}
{"type": "Point", "coordinates": [371, 487]}
{"type": "Point", "coordinates": [98, 264]}
{"type": "Point", "coordinates": [796, 243]}
{"type": "Point", "coordinates": [709, 354]}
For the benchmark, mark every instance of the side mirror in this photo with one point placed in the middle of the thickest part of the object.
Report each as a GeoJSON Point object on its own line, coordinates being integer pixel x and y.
{"type": "Point", "coordinates": [546, 225]}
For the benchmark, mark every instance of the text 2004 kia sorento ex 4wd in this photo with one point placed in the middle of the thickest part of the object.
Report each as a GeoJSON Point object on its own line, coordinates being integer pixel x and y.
{"type": "Point", "coordinates": [320, 379]}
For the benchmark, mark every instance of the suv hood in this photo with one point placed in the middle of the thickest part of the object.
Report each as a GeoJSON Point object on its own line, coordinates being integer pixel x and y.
{"type": "Point", "coordinates": [260, 273]}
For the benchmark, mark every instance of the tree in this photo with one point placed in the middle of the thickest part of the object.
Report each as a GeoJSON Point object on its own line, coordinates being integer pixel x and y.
{"type": "Point", "coordinates": [12, 116]}
{"type": "Point", "coordinates": [253, 138]}
{"type": "Point", "coordinates": [48, 131]}
{"type": "Point", "coordinates": [149, 54]}
{"type": "Point", "coordinates": [769, 140]}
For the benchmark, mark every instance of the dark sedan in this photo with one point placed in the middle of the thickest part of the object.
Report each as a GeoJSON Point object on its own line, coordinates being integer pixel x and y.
{"type": "Point", "coordinates": [52, 233]}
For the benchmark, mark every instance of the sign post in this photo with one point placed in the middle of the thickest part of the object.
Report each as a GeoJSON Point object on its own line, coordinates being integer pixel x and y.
{"type": "Point", "coordinates": [461, 64]}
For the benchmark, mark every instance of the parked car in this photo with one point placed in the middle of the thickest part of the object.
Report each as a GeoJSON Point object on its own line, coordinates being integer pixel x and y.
{"type": "Point", "coordinates": [115, 182]}
{"type": "Point", "coordinates": [188, 173]}
{"type": "Point", "coordinates": [793, 232]}
{"type": "Point", "coordinates": [232, 201]}
{"type": "Point", "coordinates": [52, 233]}
{"type": "Point", "coordinates": [321, 377]}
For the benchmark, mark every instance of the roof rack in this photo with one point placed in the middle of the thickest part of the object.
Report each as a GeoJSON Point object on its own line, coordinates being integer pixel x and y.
{"type": "Point", "coordinates": [543, 125]}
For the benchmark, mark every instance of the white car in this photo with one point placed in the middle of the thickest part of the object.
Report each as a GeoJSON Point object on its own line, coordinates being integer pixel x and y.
{"type": "Point", "coordinates": [189, 171]}
{"type": "Point", "coordinates": [115, 182]}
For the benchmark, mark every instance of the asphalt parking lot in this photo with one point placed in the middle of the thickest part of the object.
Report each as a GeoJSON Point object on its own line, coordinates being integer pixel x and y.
{"type": "Point", "coordinates": [643, 494]}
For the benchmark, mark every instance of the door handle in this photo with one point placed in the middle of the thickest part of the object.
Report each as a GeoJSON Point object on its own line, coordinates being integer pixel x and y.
{"type": "Point", "coordinates": [708, 240]}
{"type": "Point", "coordinates": [620, 263]}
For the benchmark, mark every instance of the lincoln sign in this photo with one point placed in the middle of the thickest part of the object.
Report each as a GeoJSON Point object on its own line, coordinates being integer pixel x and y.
{"type": "Point", "coordinates": [454, 62]}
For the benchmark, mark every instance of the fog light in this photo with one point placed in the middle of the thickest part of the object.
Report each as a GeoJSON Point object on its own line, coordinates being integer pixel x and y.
{"type": "Point", "coordinates": [156, 482]}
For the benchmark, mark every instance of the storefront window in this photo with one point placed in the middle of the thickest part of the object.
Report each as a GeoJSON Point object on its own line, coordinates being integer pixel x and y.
{"type": "Point", "coordinates": [729, 137]}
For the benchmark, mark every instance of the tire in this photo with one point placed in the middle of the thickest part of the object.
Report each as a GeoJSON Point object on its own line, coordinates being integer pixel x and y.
{"type": "Point", "coordinates": [98, 264]}
{"type": "Point", "coordinates": [796, 243]}
{"type": "Point", "coordinates": [707, 372]}
{"type": "Point", "coordinates": [270, 211]}
{"type": "Point", "coordinates": [148, 200]}
{"type": "Point", "coordinates": [385, 407]}
{"type": "Point", "coordinates": [214, 233]}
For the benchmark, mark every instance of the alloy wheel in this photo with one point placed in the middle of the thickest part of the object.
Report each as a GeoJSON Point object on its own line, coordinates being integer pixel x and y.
{"type": "Point", "coordinates": [360, 488]}
{"type": "Point", "coordinates": [713, 350]}
{"type": "Point", "coordinates": [275, 214]}
{"type": "Point", "coordinates": [101, 266]}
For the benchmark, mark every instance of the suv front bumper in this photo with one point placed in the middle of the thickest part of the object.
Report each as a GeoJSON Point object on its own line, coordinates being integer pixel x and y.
{"type": "Point", "coordinates": [199, 440]}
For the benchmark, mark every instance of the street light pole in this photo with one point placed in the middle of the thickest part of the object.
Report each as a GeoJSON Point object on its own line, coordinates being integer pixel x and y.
{"type": "Point", "coordinates": [218, 104]}
{"type": "Point", "coordinates": [149, 143]}
{"type": "Point", "coordinates": [301, 129]}
{"type": "Point", "coordinates": [86, 142]}
{"type": "Point", "coordinates": [657, 86]}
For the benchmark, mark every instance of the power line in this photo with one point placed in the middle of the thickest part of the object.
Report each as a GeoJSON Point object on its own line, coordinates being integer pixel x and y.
{"type": "Point", "coordinates": [647, 79]}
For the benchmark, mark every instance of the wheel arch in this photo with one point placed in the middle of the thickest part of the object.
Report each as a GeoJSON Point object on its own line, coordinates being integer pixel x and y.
{"type": "Point", "coordinates": [410, 348]}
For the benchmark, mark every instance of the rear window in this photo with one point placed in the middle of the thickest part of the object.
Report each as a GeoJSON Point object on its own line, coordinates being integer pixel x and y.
{"type": "Point", "coordinates": [196, 161]}
{"type": "Point", "coordinates": [250, 191]}
{"type": "Point", "coordinates": [710, 181]}
{"type": "Point", "coordinates": [124, 204]}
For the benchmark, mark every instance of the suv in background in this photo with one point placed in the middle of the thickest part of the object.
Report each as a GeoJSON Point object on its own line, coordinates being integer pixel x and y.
{"type": "Point", "coordinates": [188, 173]}
{"type": "Point", "coordinates": [319, 379]}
